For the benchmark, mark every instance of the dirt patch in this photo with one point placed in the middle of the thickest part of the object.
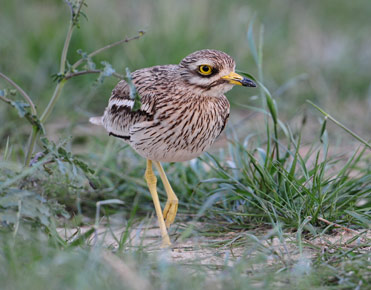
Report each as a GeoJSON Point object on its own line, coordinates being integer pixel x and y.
{"type": "Point", "coordinates": [225, 249]}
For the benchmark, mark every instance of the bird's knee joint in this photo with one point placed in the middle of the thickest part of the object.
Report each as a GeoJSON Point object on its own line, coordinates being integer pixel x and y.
{"type": "Point", "coordinates": [150, 177]}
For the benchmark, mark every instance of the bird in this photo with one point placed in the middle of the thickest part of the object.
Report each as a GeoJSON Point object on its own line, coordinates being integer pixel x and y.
{"type": "Point", "coordinates": [183, 110]}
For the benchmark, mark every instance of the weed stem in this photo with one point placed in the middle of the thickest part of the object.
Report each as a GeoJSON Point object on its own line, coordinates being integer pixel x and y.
{"type": "Point", "coordinates": [95, 52]}
{"type": "Point", "coordinates": [31, 145]}
{"type": "Point", "coordinates": [21, 91]}
{"type": "Point", "coordinates": [53, 100]}
{"type": "Point", "coordinates": [93, 71]}
{"type": "Point", "coordinates": [360, 139]}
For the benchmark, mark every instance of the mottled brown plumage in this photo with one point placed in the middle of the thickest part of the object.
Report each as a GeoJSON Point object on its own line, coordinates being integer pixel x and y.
{"type": "Point", "coordinates": [183, 111]}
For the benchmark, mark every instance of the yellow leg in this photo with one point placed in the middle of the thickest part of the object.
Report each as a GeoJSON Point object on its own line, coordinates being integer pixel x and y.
{"type": "Point", "coordinates": [171, 206]}
{"type": "Point", "coordinates": [151, 182]}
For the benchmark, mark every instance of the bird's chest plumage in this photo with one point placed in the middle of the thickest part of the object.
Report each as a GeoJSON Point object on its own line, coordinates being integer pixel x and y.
{"type": "Point", "coordinates": [182, 128]}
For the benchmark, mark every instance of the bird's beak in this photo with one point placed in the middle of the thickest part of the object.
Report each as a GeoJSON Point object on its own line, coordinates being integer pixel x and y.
{"type": "Point", "coordinates": [236, 79]}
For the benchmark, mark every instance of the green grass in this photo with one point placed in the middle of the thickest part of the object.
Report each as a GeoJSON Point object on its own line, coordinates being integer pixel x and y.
{"type": "Point", "coordinates": [283, 202]}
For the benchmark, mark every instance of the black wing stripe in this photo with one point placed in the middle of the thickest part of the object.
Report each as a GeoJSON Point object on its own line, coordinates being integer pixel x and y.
{"type": "Point", "coordinates": [119, 136]}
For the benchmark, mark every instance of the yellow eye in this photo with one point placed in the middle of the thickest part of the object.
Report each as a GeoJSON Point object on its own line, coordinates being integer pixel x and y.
{"type": "Point", "coordinates": [205, 69]}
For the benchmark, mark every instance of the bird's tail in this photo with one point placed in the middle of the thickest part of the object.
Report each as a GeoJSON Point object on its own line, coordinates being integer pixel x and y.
{"type": "Point", "coordinates": [96, 120]}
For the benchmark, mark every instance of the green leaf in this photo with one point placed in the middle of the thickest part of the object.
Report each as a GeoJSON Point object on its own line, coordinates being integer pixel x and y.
{"type": "Point", "coordinates": [83, 166]}
{"type": "Point", "coordinates": [250, 76]}
{"type": "Point", "coordinates": [85, 56]}
{"type": "Point", "coordinates": [107, 71]}
{"type": "Point", "coordinates": [63, 153]}
{"type": "Point", "coordinates": [133, 91]}
{"type": "Point", "coordinates": [24, 204]}
{"type": "Point", "coordinates": [362, 218]}
{"type": "Point", "coordinates": [7, 150]}
{"type": "Point", "coordinates": [61, 166]}
{"type": "Point", "coordinates": [20, 107]}
{"type": "Point", "coordinates": [323, 128]}
{"type": "Point", "coordinates": [58, 77]}
{"type": "Point", "coordinates": [82, 238]}
{"type": "Point", "coordinates": [270, 103]}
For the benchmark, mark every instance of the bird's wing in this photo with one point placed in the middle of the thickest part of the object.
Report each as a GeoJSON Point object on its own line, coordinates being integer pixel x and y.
{"type": "Point", "coordinates": [119, 116]}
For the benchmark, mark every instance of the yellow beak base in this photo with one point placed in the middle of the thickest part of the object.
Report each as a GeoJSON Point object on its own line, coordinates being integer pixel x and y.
{"type": "Point", "coordinates": [236, 79]}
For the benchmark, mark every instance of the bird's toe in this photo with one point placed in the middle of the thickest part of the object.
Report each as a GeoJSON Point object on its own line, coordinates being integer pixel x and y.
{"type": "Point", "coordinates": [170, 211]}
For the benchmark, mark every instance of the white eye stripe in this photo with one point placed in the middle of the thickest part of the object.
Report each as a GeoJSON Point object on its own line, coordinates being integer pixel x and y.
{"type": "Point", "coordinates": [122, 102]}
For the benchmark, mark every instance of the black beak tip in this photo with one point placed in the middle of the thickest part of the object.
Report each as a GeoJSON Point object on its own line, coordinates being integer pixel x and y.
{"type": "Point", "coordinates": [248, 83]}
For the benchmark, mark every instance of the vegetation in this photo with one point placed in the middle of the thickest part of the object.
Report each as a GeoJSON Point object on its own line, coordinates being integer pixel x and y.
{"type": "Point", "coordinates": [282, 201]}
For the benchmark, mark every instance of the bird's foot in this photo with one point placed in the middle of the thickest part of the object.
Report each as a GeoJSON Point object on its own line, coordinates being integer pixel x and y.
{"type": "Point", "coordinates": [165, 242]}
{"type": "Point", "coordinates": [170, 211]}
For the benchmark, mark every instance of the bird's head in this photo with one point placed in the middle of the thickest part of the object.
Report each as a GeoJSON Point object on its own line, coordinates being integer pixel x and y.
{"type": "Point", "coordinates": [211, 72]}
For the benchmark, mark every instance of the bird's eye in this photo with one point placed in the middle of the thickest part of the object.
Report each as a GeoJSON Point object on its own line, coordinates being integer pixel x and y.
{"type": "Point", "coordinates": [205, 69]}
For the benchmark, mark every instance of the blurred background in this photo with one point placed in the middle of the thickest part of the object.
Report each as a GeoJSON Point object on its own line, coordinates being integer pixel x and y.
{"type": "Point", "coordinates": [317, 50]}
